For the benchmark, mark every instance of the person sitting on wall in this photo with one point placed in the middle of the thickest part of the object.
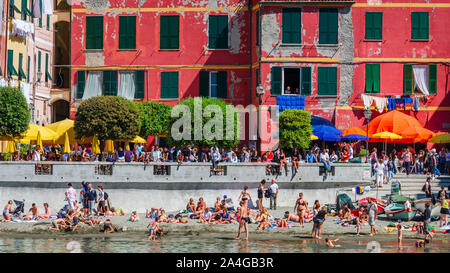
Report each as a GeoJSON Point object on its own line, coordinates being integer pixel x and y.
{"type": "Point", "coordinates": [33, 213]}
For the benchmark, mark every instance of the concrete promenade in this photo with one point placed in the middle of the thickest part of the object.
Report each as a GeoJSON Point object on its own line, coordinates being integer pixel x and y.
{"type": "Point", "coordinates": [137, 186]}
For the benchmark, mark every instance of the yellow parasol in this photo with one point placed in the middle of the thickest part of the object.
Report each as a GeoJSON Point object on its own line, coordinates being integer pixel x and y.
{"type": "Point", "coordinates": [441, 138]}
{"type": "Point", "coordinates": [66, 144]}
{"type": "Point", "coordinates": [127, 146]}
{"type": "Point", "coordinates": [109, 146]}
{"type": "Point", "coordinates": [385, 136]}
{"type": "Point", "coordinates": [62, 127]}
{"type": "Point", "coordinates": [39, 139]}
{"type": "Point", "coordinates": [46, 135]}
{"type": "Point", "coordinates": [95, 146]}
{"type": "Point", "coordinates": [137, 139]}
{"type": "Point", "coordinates": [11, 148]}
{"type": "Point", "coordinates": [313, 137]}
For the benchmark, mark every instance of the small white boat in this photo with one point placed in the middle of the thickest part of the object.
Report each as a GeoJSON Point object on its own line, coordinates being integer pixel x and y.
{"type": "Point", "coordinates": [435, 209]}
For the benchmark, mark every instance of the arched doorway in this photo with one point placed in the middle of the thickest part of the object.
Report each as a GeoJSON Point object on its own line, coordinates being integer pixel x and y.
{"type": "Point", "coordinates": [61, 110]}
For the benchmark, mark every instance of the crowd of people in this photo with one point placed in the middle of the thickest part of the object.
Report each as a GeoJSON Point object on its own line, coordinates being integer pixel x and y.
{"type": "Point", "coordinates": [424, 161]}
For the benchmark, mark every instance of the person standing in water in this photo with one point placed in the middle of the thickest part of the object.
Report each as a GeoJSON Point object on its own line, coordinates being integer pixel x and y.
{"type": "Point", "coordinates": [243, 220]}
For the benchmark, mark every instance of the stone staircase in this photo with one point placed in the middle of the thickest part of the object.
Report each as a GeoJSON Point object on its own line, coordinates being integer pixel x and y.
{"type": "Point", "coordinates": [411, 187]}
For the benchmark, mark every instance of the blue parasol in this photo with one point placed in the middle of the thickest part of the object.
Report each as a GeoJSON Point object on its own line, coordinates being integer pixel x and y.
{"type": "Point", "coordinates": [354, 137]}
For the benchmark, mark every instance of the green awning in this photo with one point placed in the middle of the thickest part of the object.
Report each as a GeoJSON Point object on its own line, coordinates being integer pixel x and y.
{"type": "Point", "coordinates": [12, 70]}
{"type": "Point", "coordinates": [48, 75]}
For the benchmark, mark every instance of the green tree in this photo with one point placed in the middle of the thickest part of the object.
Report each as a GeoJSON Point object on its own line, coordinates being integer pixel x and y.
{"type": "Point", "coordinates": [154, 116]}
{"type": "Point", "coordinates": [295, 129]}
{"type": "Point", "coordinates": [108, 117]}
{"type": "Point", "coordinates": [14, 113]}
{"type": "Point", "coordinates": [220, 137]}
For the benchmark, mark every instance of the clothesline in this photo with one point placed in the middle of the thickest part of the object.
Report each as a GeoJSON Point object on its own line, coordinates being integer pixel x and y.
{"type": "Point", "coordinates": [388, 103]}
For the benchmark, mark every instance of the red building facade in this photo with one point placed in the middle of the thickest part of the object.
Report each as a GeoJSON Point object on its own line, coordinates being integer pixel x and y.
{"type": "Point", "coordinates": [329, 52]}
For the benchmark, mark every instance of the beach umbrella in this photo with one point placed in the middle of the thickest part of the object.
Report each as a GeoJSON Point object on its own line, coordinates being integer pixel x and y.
{"type": "Point", "coordinates": [11, 148]}
{"type": "Point", "coordinates": [137, 139]}
{"type": "Point", "coordinates": [317, 129]}
{"type": "Point", "coordinates": [315, 120]}
{"type": "Point", "coordinates": [127, 146]}
{"type": "Point", "coordinates": [327, 136]}
{"type": "Point", "coordinates": [66, 144]}
{"type": "Point", "coordinates": [46, 135]}
{"type": "Point", "coordinates": [416, 133]}
{"type": "Point", "coordinates": [441, 138]}
{"type": "Point", "coordinates": [384, 136]}
{"type": "Point", "coordinates": [6, 138]}
{"type": "Point", "coordinates": [313, 137]}
{"type": "Point", "coordinates": [393, 121]}
{"type": "Point", "coordinates": [354, 137]}
{"type": "Point", "coordinates": [39, 140]}
{"type": "Point", "coordinates": [109, 146]}
{"type": "Point", "coordinates": [353, 131]}
{"type": "Point", "coordinates": [95, 146]}
{"type": "Point", "coordinates": [61, 128]}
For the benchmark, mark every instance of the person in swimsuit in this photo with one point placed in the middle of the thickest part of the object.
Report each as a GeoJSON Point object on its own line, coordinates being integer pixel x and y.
{"type": "Point", "coordinates": [190, 207]}
{"type": "Point", "coordinates": [261, 193]}
{"type": "Point", "coordinates": [264, 220]}
{"type": "Point", "coordinates": [217, 205]}
{"type": "Point", "coordinates": [243, 220]}
{"type": "Point", "coordinates": [47, 212]}
{"type": "Point", "coordinates": [330, 243]}
{"type": "Point", "coordinates": [421, 243]}
{"type": "Point", "coordinates": [283, 161]}
{"type": "Point", "coordinates": [153, 229]}
{"type": "Point", "coordinates": [108, 226]}
{"type": "Point", "coordinates": [300, 207]}
{"type": "Point", "coordinates": [33, 211]}
{"type": "Point", "coordinates": [291, 217]}
{"type": "Point", "coordinates": [6, 211]}
{"type": "Point", "coordinates": [201, 206]}
{"type": "Point", "coordinates": [245, 195]}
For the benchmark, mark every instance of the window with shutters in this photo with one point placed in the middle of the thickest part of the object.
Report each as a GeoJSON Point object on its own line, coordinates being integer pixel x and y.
{"type": "Point", "coordinates": [40, 17]}
{"type": "Point", "coordinates": [39, 61]}
{"type": "Point", "coordinates": [48, 22]}
{"type": "Point", "coordinates": [13, 8]}
{"type": "Point", "coordinates": [327, 81]}
{"type": "Point", "coordinates": [11, 69]}
{"type": "Point", "coordinates": [328, 26]}
{"type": "Point", "coordinates": [47, 71]}
{"type": "Point", "coordinates": [127, 32]}
{"type": "Point", "coordinates": [372, 78]}
{"type": "Point", "coordinates": [213, 84]}
{"type": "Point", "coordinates": [425, 77]}
{"type": "Point", "coordinates": [169, 32]}
{"type": "Point", "coordinates": [218, 32]}
{"type": "Point", "coordinates": [94, 32]}
{"type": "Point", "coordinates": [28, 69]}
{"type": "Point", "coordinates": [110, 83]}
{"type": "Point", "coordinates": [169, 85]}
{"type": "Point", "coordinates": [81, 83]}
{"type": "Point", "coordinates": [291, 81]}
{"type": "Point", "coordinates": [22, 75]}
{"type": "Point", "coordinates": [374, 26]}
{"type": "Point", "coordinates": [419, 25]}
{"type": "Point", "coordinates": [25, 11]}
{"type": "Point", "coordinates": [292, 26]}
{"type": "Point", "coordinates": [140, 85]}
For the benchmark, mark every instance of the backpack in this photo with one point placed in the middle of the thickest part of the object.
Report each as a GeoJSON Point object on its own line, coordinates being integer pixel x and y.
{"type": "Point", "coordinates": [424, 188]}
{"type": "Point", "coordinates": [268, 193]}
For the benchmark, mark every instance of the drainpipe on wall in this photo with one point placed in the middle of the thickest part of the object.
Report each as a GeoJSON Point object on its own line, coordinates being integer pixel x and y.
{"type": "Point", "coordinates": [6, 39]}
{"type": "Point", "coordinates": [250, 2]}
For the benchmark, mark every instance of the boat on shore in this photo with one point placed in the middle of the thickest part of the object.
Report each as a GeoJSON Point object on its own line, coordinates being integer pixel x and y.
{"type": "Point", "coordinates": [435, 209]}
{"type": "Point", "coordinates": [397, 211]}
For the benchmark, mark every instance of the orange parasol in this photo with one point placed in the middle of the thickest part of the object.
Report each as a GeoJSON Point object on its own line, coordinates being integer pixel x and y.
{"type": "Point", "coordinates": [393, 121]}
{"type": "Point", "coordinates": [416, 133]}
{"type": "Point", "coordinates": [353, 131]}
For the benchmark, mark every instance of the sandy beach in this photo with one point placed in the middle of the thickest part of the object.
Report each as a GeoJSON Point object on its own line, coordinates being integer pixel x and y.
{"type": "Point", "coordinates": [194, 227]}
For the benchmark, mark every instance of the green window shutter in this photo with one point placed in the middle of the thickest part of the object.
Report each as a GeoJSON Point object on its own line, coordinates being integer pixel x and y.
{"type": "Point", "coordinates": [127, 32]}
{"type": "Point", "coordinates": [328, 26]}
{"type": "Point", "coordinates": [204, 84]}
{"type": "Point", "coordinates": [12, 8]}
{"type": "Point", "coordinates": [432, 78]}
{"type": "Point", "coordinates": [218, 32]}
{"type": "Point", "coordinates": [140, 85]}
{"type": "Point", "coordinates": [376, 78]}
{"type": "Point", "coordinates": [21, 72]}
{"type": "Point", "coordinates": [11, 70]}
{"type": "Point", "coordinates": [81, 82]}
{"type": "Point", "coordinates": [28, 69]}
{"type": "Point", "coordinates": [369, 78]}
{"type": "Point", "coordinates": [291, 26]}
{"type": "Point", "coordinates": [39, 61]}
{"type": "Point", "coordinates": [419, 25]}
{"type": "Point", "coordinates": [169, 85]}
{"type": "Point", "coordinates": [374, 26]}
{"type": "Point", "coordinates": [169, 32]}
{"type": "Point", "coordinates": [47, 72]}
{"type": "Point", "coordinates": [276, 80]}
{"type": "Point", "coordinates": [327, 81]}
{"type": "Point", "coordinates": [94, 32]}
{"type": "Point", "coordinates": [306, 81]}
{"type": "Point", "coordinates": [40, 18]}
{"type": "Point", "coordinates": [407, 79]}
{"type": "Point", "coordinates": [25, 10]}
{"type": "Point", "coordinates": [222, 83]}
{"type": "Point", "coordinates": [48, 22]}
{"type": "Point", "coordinates": [110, 83]}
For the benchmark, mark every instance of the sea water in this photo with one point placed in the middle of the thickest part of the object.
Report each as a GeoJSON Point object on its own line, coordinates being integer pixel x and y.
{"type": "Point", "coordinates": [219, 243]}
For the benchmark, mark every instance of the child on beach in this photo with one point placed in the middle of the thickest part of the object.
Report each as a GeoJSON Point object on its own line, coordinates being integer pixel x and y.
{"type": "Point", "coordinates": [134, 217]}
{"type": "Point", "coordinates": [264, 220]}
{"type": "Point", "coordinates": [206, 216]}
{"type": "Point", "coordinates": [108, 226]}
{"type": "Point", "coordinates": [361, 219]}
{"type": "Point", "coordinates": [6, 211]}
{"type": "Point", "coordinates": [399, 229]}
{"type": "Point", "coordinates": [330, 243]}
{"type": "Point", "coordinates": [153, 229]}
{"type": "Point", "coordinates": [421, 243]}
{"type": "Point", "coordinates": [163, 217]}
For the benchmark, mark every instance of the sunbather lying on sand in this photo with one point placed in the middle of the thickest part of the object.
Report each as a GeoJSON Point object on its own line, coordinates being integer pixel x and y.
{"type": "Point", "coordinates": [330, 243]}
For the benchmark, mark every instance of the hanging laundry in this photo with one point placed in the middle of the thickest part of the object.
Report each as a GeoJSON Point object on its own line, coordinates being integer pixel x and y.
{"type": "Point", "coordinates": [391, 104]}
{"type": "Point", "coordinates": [367, 100]}
{"type": "Point", "coordinates": [37, 9]}
{"type": "Point", "coordinates": [47, 7]}
{"type": "Point", "coordinates": [380, 103]}
{"type": "Point", "coordinates": [416, 104]}
{"type": "Point", "coordinates": [25, 90]}
{"type": "Point", "coordinates": [21, 28]}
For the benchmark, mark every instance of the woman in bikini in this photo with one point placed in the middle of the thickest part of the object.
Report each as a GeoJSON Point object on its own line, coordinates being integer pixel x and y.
{"type": "Point", "coordinates": [245, 195]}
{"type": "Point", "coordinates": [301, 205]}
{"type": "Point", "coordinates": [153, 229]}
{"type": "Point", "coordinates": [283, 161]}
{"type": "Point", "coordinates": [261, 193]}
{"type": "Point", "coordinates": [6, 211]}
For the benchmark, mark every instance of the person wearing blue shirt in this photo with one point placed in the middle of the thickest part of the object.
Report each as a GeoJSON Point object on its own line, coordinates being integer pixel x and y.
{"type": "Point", "coordinates": [310, 157]}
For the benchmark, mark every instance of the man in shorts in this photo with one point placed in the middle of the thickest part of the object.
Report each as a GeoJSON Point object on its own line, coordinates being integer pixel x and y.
{"type": "Point", "coordinates": [372, 208]}
{"type": "Point", "coordinates": [243, 220]}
